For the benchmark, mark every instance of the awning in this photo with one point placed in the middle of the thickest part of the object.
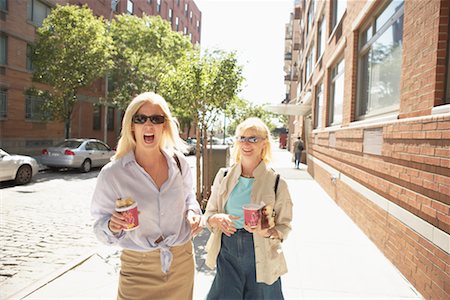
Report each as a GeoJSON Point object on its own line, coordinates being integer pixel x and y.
{"type": "Point", "coordinates": [300, 109]}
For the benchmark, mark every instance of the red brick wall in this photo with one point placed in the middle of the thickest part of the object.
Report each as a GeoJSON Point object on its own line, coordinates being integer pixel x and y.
{"type": "Point", "coordinates": [413, 168]}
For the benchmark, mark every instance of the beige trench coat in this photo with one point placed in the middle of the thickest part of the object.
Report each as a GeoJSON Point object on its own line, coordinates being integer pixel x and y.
{"type": "Point", "coordinates": [270, 261]}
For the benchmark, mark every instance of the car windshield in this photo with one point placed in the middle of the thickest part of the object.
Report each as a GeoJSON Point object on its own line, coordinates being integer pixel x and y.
{"type": "Point", "coordinates": [3, 153]}
{"type": "Point", "coordinates": [69, 144]}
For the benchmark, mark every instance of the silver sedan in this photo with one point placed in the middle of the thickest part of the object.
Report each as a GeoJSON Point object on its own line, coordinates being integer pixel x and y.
{"type": "Point", "coordinates": [77, 153]}
{"type": "Point", "coordinates": [19, 168]}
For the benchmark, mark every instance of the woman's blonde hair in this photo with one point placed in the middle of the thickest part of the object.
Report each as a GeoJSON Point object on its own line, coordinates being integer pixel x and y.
{"type": "Point", "coordinates": [261, 129]}
{"type": "Point", "coordinates": [170, 139]}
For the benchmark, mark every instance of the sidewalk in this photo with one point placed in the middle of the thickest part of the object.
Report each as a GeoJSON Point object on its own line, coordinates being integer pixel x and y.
{"type": "Point", "coordinates": [328, 257]}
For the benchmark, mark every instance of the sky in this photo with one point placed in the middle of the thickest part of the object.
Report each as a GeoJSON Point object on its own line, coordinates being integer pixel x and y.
{"type": "Point", "coordinates": [254, 29]}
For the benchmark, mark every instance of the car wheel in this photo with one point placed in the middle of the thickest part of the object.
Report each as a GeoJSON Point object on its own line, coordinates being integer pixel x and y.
{"type": "Point", "coordinates": [23, 175]}
{"type": "Point", "coordinates": [86, 166]}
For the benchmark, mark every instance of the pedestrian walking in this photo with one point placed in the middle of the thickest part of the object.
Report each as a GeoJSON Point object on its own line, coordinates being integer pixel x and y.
{"type": "Point", "coordinates": [249, 260]}
{"type": "Point", "coordinates": [157, 260]}
{"type": "Point", "coordinates": [298, 148]}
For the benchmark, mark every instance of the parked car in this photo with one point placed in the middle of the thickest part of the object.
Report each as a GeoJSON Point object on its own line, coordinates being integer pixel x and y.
{"type": "Point", "coordinates": [191, 146]}
{"type": "Point", "coordinates": [19, 168]}
{"type": "Point", "coordinates": [77, 153]}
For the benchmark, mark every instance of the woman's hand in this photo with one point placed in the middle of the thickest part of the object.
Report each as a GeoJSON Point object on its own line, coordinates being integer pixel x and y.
{"type": "Point", "coordinates": [267, 232]}
{"type": "Point", "coordinates": [117, 223]}
{"type": "Point", "coordinates": [224, 222]}
{"type": "Point", "coordinates": [194, 221]}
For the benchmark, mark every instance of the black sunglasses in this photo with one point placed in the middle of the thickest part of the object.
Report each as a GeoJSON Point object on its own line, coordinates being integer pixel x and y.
{"type": "Point", "coordinates": [155, 119]}
{"type": "Point", "coordinates": [250, 139]}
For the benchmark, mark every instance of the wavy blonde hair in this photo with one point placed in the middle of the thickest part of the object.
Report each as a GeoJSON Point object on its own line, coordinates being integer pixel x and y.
{"type": "Point", "coordinates": [261, 129]}
{"type": "Point", "coordinates": [170, 139]}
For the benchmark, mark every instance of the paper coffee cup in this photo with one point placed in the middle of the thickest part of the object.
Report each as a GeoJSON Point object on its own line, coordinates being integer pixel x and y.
{"type": "Point", "coordinates": [131, 215]}
{"type": "Point", "coordinates": [252, 214]}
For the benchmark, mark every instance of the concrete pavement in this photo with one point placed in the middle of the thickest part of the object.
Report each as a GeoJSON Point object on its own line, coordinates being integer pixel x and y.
{"type": "Point", "coordinates": [328, 257]}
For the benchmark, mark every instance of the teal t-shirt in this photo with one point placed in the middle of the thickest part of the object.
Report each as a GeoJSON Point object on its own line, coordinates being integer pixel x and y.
{"type": "Point", "coordinates": [238, 197]}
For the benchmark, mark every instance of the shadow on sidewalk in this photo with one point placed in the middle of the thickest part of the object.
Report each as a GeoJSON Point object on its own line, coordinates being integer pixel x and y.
{"type": "Point", "coordinates": [200, 252]}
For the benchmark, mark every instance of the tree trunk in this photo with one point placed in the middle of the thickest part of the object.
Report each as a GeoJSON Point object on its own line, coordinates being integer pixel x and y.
{"type": "Point", "coordinates": [197, 157]}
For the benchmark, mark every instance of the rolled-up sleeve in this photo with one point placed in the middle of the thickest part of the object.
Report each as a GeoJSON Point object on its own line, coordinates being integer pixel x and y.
{"type": "Point", "coordinates": [283, 209]}
{"type": "Point", "coordinates": [102, 207]}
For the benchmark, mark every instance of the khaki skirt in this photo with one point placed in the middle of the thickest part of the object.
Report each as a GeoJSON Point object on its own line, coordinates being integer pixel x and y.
{"type": "Point", "coordinates": [141, 276]}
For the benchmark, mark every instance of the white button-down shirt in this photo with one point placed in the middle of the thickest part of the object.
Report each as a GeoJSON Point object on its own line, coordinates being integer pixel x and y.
{"type": "Point", "coordinates": [162, 212]}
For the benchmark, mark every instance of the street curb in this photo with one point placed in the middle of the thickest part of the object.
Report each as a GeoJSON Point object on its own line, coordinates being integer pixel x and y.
{"type": "Point", "coordinates": [51, 277]}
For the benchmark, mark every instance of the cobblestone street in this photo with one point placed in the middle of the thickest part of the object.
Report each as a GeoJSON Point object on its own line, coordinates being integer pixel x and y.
{"type": "Point", "coordinates": [44, 225]}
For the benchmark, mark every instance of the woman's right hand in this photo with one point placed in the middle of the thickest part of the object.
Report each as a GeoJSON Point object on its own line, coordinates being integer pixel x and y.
{"type": "Point", "coordinates": [224, 222]}
{"type": "Point", "coordinates": [117, 223]}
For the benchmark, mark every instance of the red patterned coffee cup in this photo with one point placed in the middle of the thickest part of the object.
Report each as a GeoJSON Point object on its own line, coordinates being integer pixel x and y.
{"type": "Point", "coordinates": [131, 215]}
{"type": "Point", "coordinates": [252, 214]}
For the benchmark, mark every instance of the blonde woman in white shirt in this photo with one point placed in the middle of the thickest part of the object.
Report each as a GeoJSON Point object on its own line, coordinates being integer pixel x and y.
{"type": "Point", "coordinates": [249, 261]}
{"type": "Point", "coordinates": [157, 260]}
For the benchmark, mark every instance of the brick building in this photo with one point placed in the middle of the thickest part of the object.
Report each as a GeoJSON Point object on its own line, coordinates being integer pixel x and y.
{"type": "Point", "coordinates": [368, 88]}
{"type": "Point", "coordinates": [21, 127]}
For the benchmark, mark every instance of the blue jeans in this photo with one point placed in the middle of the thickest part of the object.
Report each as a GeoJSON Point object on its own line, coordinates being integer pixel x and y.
{"type": "Point", "coordinates": [236, 271]}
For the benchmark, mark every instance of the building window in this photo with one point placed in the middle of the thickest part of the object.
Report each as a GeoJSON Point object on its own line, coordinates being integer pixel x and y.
{"type": "Point", "coordinates": [321, 40]}
{"type": "Point", "coordinates": [178, 2]}
{"type": "Point", "coordinates": [29, 57]}
{"type": "Point", "coordinates": [380, 62]}
{"type": "Point", "coordinates": [3, 49]}
{"type": "Point", "coordinates": [3, 103]}
{"type": "Point", "coordinates": [190, 36]}
{"type": "Point", "coordinates": [37, 12]}
{"type": "Point", "coordinates": [96, 117]}
{"type": "Point", "coordinates": [177, 24]}
{"type": "Point", "coordinates": [309, 63]}
{"type": "Point", "coordinates": [158, 6]}
{"type": "Point", "coordinates": [170, 16]}
{"type": "Point", "coordinates": [34, 108]}
{"type": "Point", "coordinates": [110, 124]}
{"type": "Point", "coordinates": [338, 8]}
{"type": "Point", "coordinates": [319, 106]}
{"type": "Point", "coordinates": [336, 93]}
{"type": "Point", "coordinates": [190, 16]}
{"type": "Point", "coordinates": [185, 30]}
{"type": "Point", "coordinates": [310, 20]}
{"type": "Point", "coordinates": [186, 9]}
{"type": "Point", "coordinates": [198, 26]}
{"type": "Point", "coordinates": [447, 99]}
{"type": "Point", "coordinates": [114, 5]}
{"type": "Point", "coordinates": [130, 7]}
{"type": "Point", "coordinates": [149, 1]}
{"type": "Point", "coordinates": [3, 5]}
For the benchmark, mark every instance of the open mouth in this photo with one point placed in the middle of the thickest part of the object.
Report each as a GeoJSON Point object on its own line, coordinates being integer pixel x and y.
{"type": "Point", "coordinates": [149, 138]}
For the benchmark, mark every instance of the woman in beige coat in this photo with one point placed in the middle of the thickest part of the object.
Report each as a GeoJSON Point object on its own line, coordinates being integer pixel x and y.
{"type": "Point", "coordinates": [249, 260]}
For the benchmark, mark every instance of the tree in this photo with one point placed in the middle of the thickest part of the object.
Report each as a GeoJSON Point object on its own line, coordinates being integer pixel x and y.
{"type": "Point", "coordinates": [243, 109]}
{"type": "Point", "coordinates": [145, 49]}
{"type": "Point", "coordinates": [72, 50]}
{"type": "Point", "coordinates": [202, 85]}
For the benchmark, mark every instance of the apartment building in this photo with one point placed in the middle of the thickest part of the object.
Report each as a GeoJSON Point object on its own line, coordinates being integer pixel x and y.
{"type": "Point", "coordinates": [368, 88]}
{"type": "Point", "coordinates": [21, 127]}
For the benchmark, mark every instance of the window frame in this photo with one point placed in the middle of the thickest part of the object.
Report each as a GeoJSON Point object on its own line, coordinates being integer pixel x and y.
{"type": "Point", "coordinates": [5, 38]}
{"type": "Point", "coordinates": [5, 9]}
{"type": "Point", "coordinates": [321, 37]}
{"type": "Point", "coordinates": [31, 4]}
{"type": "Point", "coordinates": [96, 116]}
{"type": "Point", "coordinates": [332, 95]}
{"type": "Point", "coordinates": [363, 50]}
{"type": "Point", "coordinates": [33, 109]}
{"type": "Point", "coordinates": [128, 7]}
{"type": "Point", "coordinates": [29, 60]}
{"type": "Point", "coordinates": [318, 106]}
{"type": "Point", "coordinates": [111, 118]}
{"type": "Point", "coordinates": [3, 103]}
{"type": "Point", "coordinates": [335, 19]}
{"type": "Point", "coordinates": [447, 98]}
